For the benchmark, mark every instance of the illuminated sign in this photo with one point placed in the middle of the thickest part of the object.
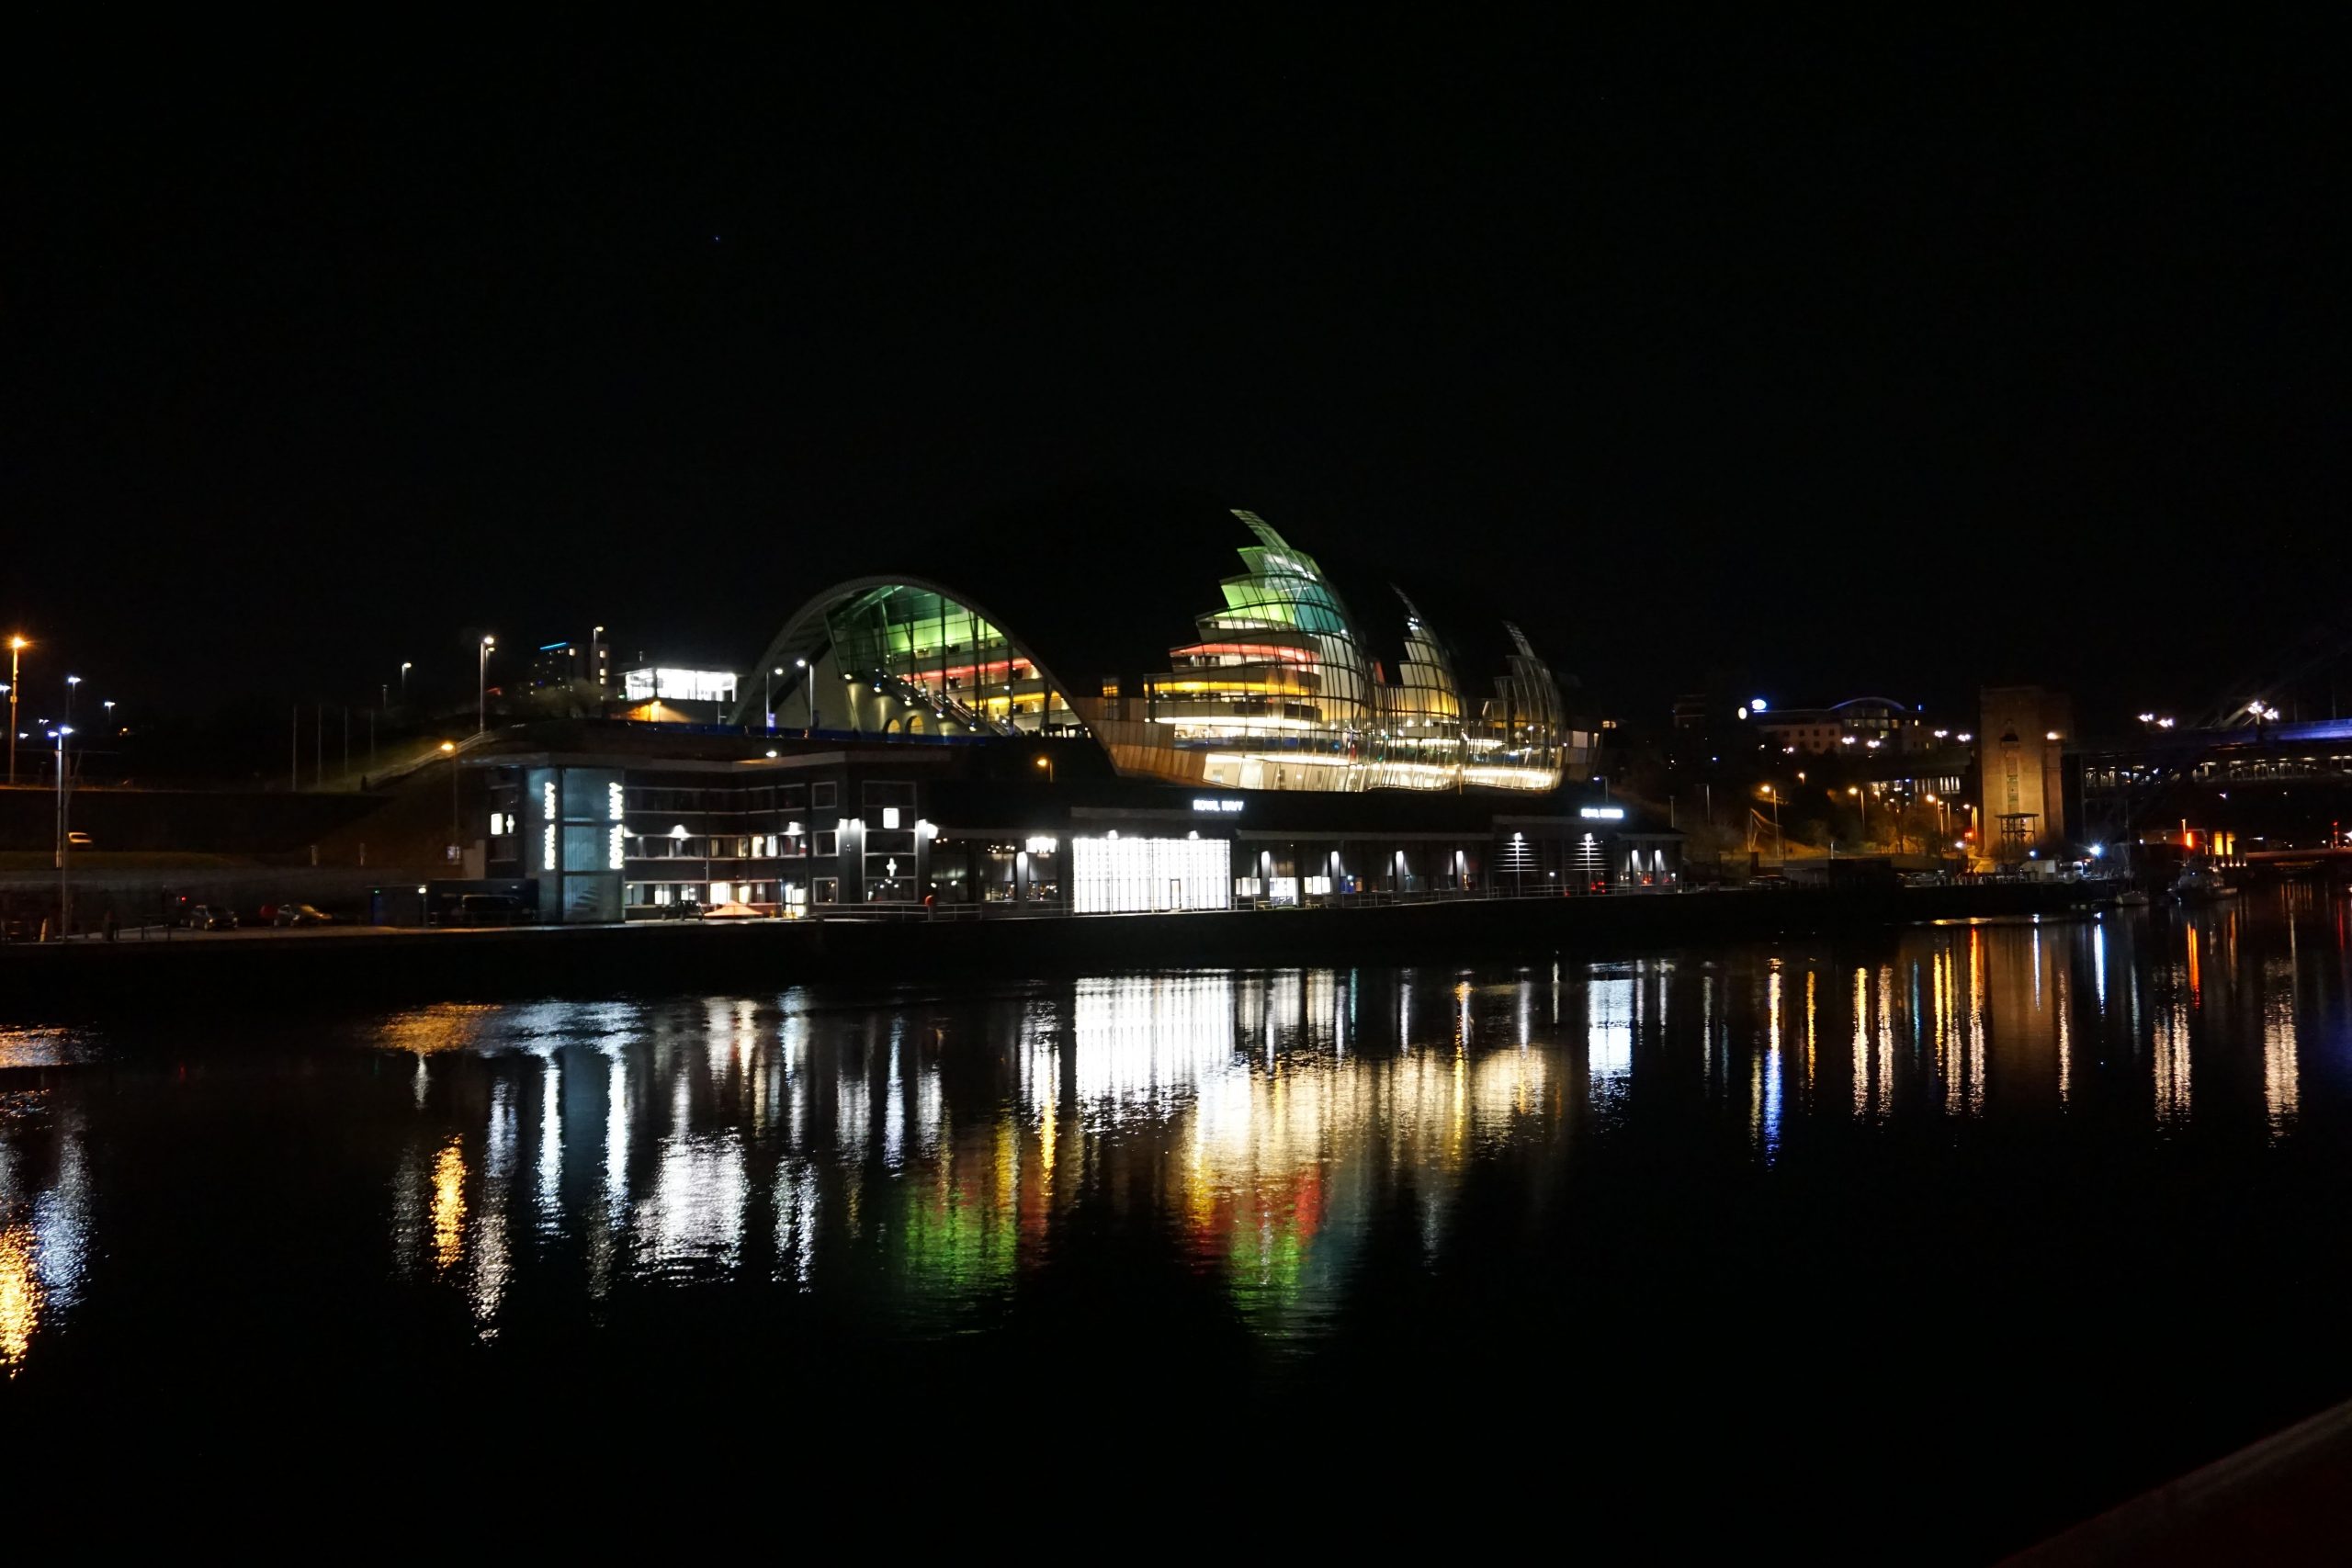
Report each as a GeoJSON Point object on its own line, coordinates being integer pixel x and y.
{"type": "Point", "coordinates": [614, 855]}
{"type": "Point", "coordinates": [547, 801]}
{"type": "Point", "coordinates": [1206, 803]}
{"type": "Point", "coordinates": [679, 685]}
{"type": "Point", "coordinates": [1602, 813]}
{"type": "Point", "coordinates": [612, 803]}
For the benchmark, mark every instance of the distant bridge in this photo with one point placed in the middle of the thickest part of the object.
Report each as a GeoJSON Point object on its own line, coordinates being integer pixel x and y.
{"type": "Point", "coordinates": [2282, 771]}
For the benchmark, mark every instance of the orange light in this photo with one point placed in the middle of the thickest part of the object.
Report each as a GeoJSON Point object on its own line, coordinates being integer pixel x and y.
{"type": "Point", "coordinates": [448, 745]}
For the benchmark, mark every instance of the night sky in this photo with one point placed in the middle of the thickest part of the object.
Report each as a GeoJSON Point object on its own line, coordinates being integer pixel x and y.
{"type": "Point", "coordinates": [1890, 365]}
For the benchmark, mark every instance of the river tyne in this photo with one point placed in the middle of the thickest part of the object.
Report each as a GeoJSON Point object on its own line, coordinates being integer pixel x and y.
{"type": "Point", "coordinates": [1945, 1236]}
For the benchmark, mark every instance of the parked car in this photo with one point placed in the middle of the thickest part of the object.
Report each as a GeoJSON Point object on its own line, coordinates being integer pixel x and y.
{"type": "Point", "coordinates": [210, 917]}
{"type": "Point", "coordinates": [301, 915]}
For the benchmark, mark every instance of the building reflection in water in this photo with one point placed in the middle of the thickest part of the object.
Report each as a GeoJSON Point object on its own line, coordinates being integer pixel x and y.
{"type": "Point", "coordinates": [922, 1157]}
{"type": "Point", "coordinates": [919, 1158]}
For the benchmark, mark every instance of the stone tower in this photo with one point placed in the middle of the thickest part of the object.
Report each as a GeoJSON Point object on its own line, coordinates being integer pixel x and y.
{"type": "Point", "coordinates": [2021, 735]}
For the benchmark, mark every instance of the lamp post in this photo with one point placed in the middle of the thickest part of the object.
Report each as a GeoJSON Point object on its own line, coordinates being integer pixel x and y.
{"type": "Point", "coordinates": [405, 667]}
{"type": "Point", "coordinates": [1046, 764]}
{"type": "Point", "coordinates": [71, 681]}
{"type": "Point", "coordinates": [482, 686]}
{"type": "Point", "coordinates": [767, 695]}
{"type": "Point", "coordinates": [809, 687]}
{"type": "Point", "coordinates": [595, 657]}
{"type": "Point", "coordinates": [1773, 796]}
{"type": "Point", "coordinates": [65, 847]}
{"type": "Point", "coordinates": [17, 647]}
{"type": "Point", "coordinates": [450, 749]}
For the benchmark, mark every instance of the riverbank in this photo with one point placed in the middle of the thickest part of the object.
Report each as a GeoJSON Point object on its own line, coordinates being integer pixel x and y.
{"type": "Point", "coordinates": [377, 966]}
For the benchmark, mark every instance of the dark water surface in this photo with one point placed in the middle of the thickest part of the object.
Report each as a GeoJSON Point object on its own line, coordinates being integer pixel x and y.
{"type": "Point", "coordinates": [1932, 1241]}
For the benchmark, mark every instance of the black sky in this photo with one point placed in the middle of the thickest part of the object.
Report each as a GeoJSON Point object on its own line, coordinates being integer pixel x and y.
{"type": "Point", "coordinates": [1892, 363]}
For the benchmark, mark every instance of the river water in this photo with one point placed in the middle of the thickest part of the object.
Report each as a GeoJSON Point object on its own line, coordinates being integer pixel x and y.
{"type": "Point", "coordinates": [1958, 1232]}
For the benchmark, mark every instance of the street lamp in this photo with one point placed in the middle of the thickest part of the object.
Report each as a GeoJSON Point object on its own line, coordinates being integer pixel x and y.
{"type": "Point", "coordinates": [482, 686]}
{"type": "Point", "coordinates": [450, 749]}
{"type": "Point", "coordinates": [1046, 764]}
{"type": "Point", "coordinates": [767, 695]}
{"type": "Point", "coordinates": [64, 835]}
{"type": "Point", "coordinates": [809, 687]}
{"type": "Point", "coordinates": [17, 647]}
{"type": "Point", "coordinates": [71, 681]}
{"type": "Point", "coordinates": [1773, 796]}
{"type": "Point", "coordinates": [406, 666]}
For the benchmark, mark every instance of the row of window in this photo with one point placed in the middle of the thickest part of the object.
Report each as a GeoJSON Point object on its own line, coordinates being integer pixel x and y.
{"type": "Point", "coordinates": [822, 794]}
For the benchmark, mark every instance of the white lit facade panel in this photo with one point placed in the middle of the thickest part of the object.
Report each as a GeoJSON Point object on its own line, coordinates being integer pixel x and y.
{"type": "Point", "coordinates": [678, 685]}
{"type": "Point", "coordinates": [1135, 875]}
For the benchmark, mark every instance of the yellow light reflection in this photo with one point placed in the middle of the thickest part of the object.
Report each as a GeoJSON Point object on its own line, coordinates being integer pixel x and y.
{"type": "Point", "coordinates": [448, 1204]}
{"type": "Point", "coordinates": [20, 1297]}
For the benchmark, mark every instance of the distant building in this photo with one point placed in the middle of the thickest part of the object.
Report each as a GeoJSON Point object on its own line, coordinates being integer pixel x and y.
{"type": "Point", "coordinates": [2022, 739]}
{"type": "Point", "coordinates": [556, 664]}
{"type": "Point", "coordinates": [1862, 723]}
{"type": "Point", "coordinates": [569, 663]}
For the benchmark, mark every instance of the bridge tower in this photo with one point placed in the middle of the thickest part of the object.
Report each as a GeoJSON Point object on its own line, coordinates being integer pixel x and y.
{"type": "Point", "coordinates": [2022, 733]}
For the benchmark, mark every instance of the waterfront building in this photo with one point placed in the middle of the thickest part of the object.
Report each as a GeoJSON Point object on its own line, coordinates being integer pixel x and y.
{"type": "Point", "coordinates": [640, 832]}
{"type": "Point", "coordinates": [964, 738]}
{"type": "Point", "coordinates": [1282, 683]}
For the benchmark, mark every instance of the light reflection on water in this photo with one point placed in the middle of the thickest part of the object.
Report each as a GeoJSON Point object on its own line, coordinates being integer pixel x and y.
{"type": "Point", "coordinates": [922, 1154]}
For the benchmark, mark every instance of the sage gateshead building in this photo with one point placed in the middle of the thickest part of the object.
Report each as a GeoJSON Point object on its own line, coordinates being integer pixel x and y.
{"type": "Point", "coordinates": [1170, 733]}
{"type": "Point", "coordinates": [1282, 684]}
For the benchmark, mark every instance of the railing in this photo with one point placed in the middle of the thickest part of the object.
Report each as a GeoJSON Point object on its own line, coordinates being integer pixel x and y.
{"type": "Point", "coordinates": [1059, 908]}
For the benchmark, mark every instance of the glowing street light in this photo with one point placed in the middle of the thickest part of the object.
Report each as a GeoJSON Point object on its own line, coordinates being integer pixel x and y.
{"type": "Point", "coordinates": [406, 665]}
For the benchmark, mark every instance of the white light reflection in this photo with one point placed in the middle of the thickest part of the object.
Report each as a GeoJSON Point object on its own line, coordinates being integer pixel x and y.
{"type": "Point", "coordinates": [2282, 1066]}
{"type": "Point", "coordinates": [550, 1170]}
{"type": "Point", "coordinates": [1863, 1099]}
{"type": "Point", "coordinates": [796, 1220]}
{"type": "Point", "coordinates": [1609, 1030]}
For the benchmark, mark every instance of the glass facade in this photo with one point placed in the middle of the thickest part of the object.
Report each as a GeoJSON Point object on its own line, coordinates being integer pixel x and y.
{"type": "Point", "coordinates": [1282, 692]}
{"type": "Point", "coordinates": [950, 671]}
{"type": "Point", "coordinates": [1280, 688]}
